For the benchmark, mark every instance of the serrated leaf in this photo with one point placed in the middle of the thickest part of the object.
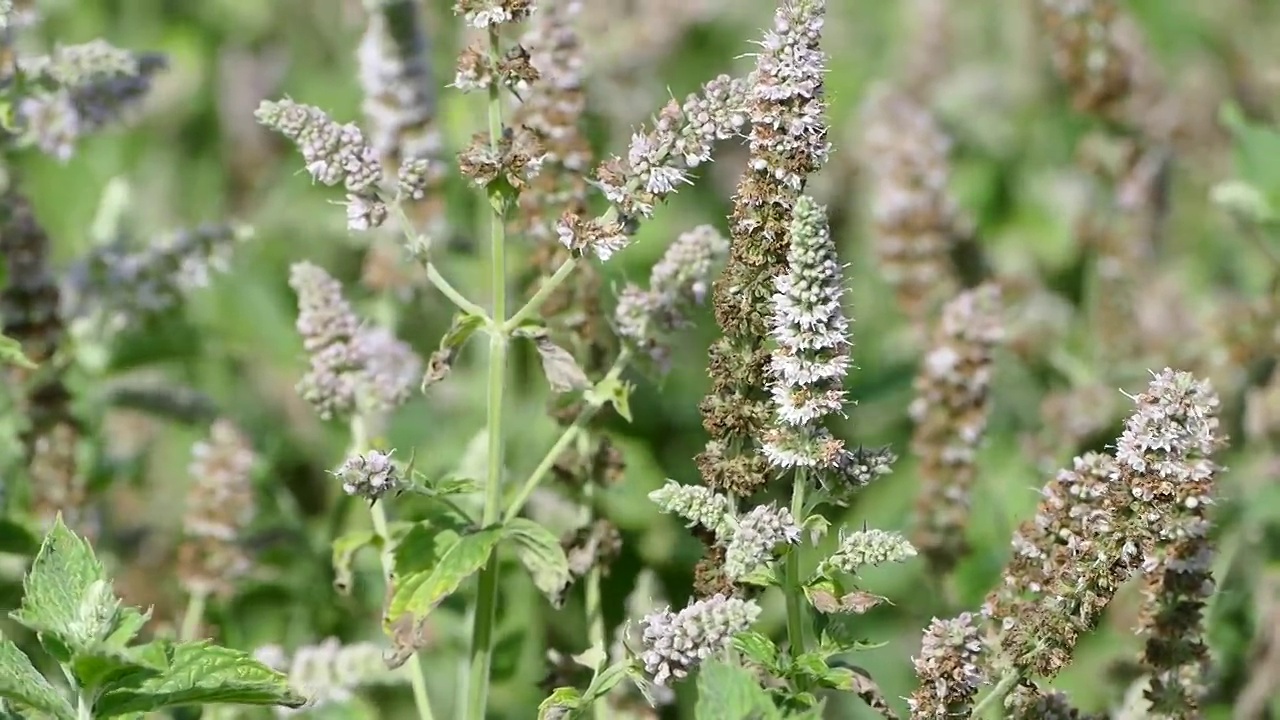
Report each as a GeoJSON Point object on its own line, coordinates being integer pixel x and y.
{"type": "Point", "coordinates": [730, 692]}
{"type": "Point", "coordinates": [345, 548]}
{"type": "Point", "coordinates": [11, 353]}
{"type": "Point", "coordinates": [561, 704]}
{"type": "Point", "coordinates": [562, 371]}
{"type": "Point", "coordinates": [541, 554]}
{"type": "Point", "coordinates": [66, 597]}
{"type": "Point", "coordinates": [441, 361]}
{"type": "Point", "coordinates": [105, 666]}
{"type": "Point", "coordinates": [21, 683]}
{"type": "Point", "coordinates": [200, 673]}
{"type": "Point", "coordinates": [418, 591]}
{"type": "Point", "coordinates": [612, 391]}
{"type": "Point", "coordinates": [758, 649]}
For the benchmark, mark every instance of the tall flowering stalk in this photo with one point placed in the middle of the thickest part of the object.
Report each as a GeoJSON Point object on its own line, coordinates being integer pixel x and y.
{"type": "Point", "coordinates": [950, 413]}
{"type": "Point", "coordinates": [220, 506]}
{"type": "Point", "coordinates": [1107, 519]}
{"type": "Point", "coordinates": [787, 140]}
{"type": "Point", "coordinates": [31, 313]}
{"type": "Point", "coordinates": [916, 222]}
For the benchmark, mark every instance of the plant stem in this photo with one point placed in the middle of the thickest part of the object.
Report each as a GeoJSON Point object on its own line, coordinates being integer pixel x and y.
{"type": "Point", "coordinates": [569, 435]}
{"type": "Point", "coordinates": [995, 698]}
{"type": "Point", "coordinates": [378, 513]}
{"type": "Point", "coordinates": [795, 611]}
{"type": "Point", "coordinates": [535, 303]}
{"type": "Point", "coordinates": [192, 617]}
{"type": "Point", "coordinates": [487, 592]}
{"type": "Point", "coordinates": [595, 611]}
{"type": "Point", "coordinates": [433, 273]}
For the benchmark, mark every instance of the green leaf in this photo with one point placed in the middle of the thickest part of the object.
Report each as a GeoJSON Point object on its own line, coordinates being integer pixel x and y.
{"type": "Point", "coordinates": [200, 673]}
{"type": "Point", "coordinates": [607, 679]}
{"type": "Point", "coordinates": [441, 361]}
{"type": "Point", "coordinates": [813, 668]}
{"type": "Point", "coordinates": [758, 649]}
{"type": "Point", "coordinates": [612, 391]}
{"type": "Point", "coordinates": [104, 666]}
{"type": "Point", "coordinates": [345, 549]}
{"type": "Point", "coordinates": [730, 692]}
{"type": "Point", "coordinates": [422, 582]}
{"type": "Point", "coordinates": [564, 702]}
{"type": "Point", "coordinates": [1256, 150]}
{"type": "Point", "coordinates": [541, 554]}
{"type": "Point", "coordinates": [16, 539]}
{"type": "Point", "coordinates": [67, 598]}
{"type": "Point", "coordinates": [129, 622]}
{"type": "Point", "coordinates": [562, 371]}
{"type": "Point", "coordinates": [11, 353]}
{"type": "Point", "coordinates": [21, 683]}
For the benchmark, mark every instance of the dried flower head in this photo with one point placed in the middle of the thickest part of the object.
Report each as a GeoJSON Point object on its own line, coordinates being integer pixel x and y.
{"type": "Point", "coordinates": [675, 643]}
{"type": "Point", "coordinates": [949, 668]}
{"type": "Point", "coordinates": [482, 14]}
{"type": "Point", "coordinates": [220, 507]}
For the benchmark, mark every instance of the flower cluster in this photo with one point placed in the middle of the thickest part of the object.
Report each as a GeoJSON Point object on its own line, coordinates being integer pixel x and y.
{"type": "Point", "coordinates": [1164, 457]}
{"type": "Point", "coordinates": [220, 506]}
{"type": "Point", "coordinates": [807, 370]}
{"type": "Point", "coordinates": [950, 669]}
{"type": "Point", "coordinates": [647, 318]}
{"type": "Point", "coordinates": [115, 287]}
{"type": "Point", "coordinates": [697, 504]}
{"type": "Point", "coordinates": [868, 548]}
{"type": "Point", "coordinates": [675, 643]}
{"type": "Point", "coordinates": [329, 673]}
{"type": "Point", "coordinates": [785, 108]}
{"type": "Point", "coordinates": [352, 368]}
{"type": "Point", "coordinates": [370, 476]}
{"type": "Point", "coordinates": [656, 164]}
{"type": "Point", "coordinates": [756, 537]}
{"type": "Point", "coordinates": [90, 85]}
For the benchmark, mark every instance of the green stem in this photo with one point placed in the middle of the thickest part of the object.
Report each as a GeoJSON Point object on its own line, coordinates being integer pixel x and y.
{"type": "Point", "coordinates": [794, 593]}
{"type": "Point", "coordinates": [378, 513]}
{"type": "Point", "coordinates": [535, 303]}
{"type": "Point", "coordinates": [481, 653]}
{"type": "Point", "coordinates": [192, 617]}
{"type": "Point", "coordinates": [595, 610]}
{"type": "Point", "coordinates": [566, 438]}
{"type": "Point", "coordinates": [995, 699]}
{"type": "Point", "coordinates": [433, 273]}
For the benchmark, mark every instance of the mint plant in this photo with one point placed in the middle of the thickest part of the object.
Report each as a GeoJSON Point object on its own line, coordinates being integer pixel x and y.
{"type": "Point", "coordinates": [106, 671]}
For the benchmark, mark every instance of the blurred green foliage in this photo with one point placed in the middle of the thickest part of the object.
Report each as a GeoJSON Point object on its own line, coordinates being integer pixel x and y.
{"type": "Point", "coordinates": [195, 155]}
